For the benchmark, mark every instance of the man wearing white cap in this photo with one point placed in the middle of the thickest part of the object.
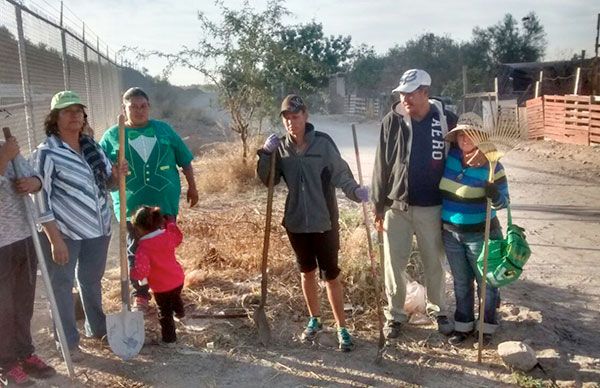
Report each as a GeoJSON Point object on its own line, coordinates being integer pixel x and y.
{"type": "Point", "coordinates": [409, 164]}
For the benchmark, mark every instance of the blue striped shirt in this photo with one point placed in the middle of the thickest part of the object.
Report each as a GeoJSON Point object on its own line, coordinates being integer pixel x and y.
{"type": "Point", "coordinates": [69, 192]}
{"type": "Point", "coordinates": [463, 194]}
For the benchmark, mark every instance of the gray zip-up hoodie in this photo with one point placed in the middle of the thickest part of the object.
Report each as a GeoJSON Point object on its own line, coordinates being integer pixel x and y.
{"type": "Point", "coordinates": [390, 172]}
{"type": "Point", "coordinates": [311, 178]}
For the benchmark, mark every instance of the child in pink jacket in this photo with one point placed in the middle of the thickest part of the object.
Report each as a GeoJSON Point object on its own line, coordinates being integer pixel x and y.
{"type": "Point", "coordinates": [155, 260]}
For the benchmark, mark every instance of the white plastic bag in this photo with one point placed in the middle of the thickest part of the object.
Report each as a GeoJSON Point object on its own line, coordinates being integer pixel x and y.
{"type": "Point", "coordinates": [415, 298]}
{"type": "Point", "coordinates": [415, 304]}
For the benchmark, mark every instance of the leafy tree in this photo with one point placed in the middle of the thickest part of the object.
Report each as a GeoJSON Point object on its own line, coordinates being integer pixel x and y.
{"type": "Point", "coordinates": [365, 75]}
{"type": "Point", "coordinates": [253, 59]}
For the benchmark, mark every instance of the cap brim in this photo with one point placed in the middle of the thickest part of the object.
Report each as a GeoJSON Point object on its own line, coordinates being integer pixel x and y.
{"type": "Point", "coordinates": [406, 88]}
{"type": "Point", "coordinates": [290, 110]}
{"type": "Point", "coordinates": [68, 104]}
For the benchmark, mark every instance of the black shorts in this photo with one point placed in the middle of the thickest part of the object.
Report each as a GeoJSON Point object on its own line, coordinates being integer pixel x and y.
{"type": "Point", "coordinates": [317, 250]}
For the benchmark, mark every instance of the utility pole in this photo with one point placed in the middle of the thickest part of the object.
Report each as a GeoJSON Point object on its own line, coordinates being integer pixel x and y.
{"type": "Point", "coordinates": [597, 34]}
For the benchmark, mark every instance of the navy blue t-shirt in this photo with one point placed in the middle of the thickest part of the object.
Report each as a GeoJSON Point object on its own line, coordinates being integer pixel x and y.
{"type": "Point", "coordinates": [426, 165]}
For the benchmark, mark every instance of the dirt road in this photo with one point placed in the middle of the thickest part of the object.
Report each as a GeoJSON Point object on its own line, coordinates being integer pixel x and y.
{"type": "Point", "coordinates": [555, 307]}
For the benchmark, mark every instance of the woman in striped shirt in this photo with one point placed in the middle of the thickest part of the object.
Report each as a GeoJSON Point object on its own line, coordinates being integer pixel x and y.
{"type": "Point", "coordinates": [74, 211]}
{"type": "Point", "coordinates": [465, 189]}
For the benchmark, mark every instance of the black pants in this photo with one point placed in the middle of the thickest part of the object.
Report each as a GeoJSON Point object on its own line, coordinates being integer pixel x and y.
{"type": "Point", "coordinates": [132, 244]}
{"type": "Point", "coordinates": [317, 250]}
{"type": "Point", "coordinates": [17, 292]}
{"type": "Point", "coordinates": [168, 303]}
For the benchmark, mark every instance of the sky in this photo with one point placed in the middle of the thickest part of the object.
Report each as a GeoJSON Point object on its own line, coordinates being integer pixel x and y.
{"type": "Point", "coordinates": [166, 25]}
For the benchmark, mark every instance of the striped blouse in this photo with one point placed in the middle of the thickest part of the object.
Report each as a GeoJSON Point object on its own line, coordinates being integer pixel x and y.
{"type": "Point", "coordinates": [69, 192]}
{"type": "Point", "coordinates": [463, 194]}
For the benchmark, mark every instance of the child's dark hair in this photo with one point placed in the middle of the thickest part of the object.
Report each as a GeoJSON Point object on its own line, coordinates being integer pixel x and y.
{"type": "Point", "coordinates": [147, 218]}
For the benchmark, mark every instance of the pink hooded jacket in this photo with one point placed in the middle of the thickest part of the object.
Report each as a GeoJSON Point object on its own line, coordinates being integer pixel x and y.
{"type": "Point", "coordinates": [155, 259]}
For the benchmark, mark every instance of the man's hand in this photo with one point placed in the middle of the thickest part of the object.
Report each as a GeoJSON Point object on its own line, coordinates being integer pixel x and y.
{"type": "Point", "coordinates": [10, 149]}
{"type": "Point", "coordinates": [192, 196]}
{"type": "Point", "coordinates": [379, 222]}
{"type": "Point", "coordinates": [271, 143]}
{"type": "Point", "coordinates": [28, 185]}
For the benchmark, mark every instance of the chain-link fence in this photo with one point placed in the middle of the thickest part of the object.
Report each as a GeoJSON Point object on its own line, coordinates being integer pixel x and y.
{"type": "Point", "coordinates": [40, 56]}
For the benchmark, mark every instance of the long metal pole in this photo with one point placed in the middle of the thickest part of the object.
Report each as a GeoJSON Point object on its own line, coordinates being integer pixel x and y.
{"type": "Point", "coordinates": [62, 338]}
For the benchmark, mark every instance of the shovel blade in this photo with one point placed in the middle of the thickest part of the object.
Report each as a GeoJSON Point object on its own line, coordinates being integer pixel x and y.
{"type": "Point", "coordinates": [125, 332]}
{"type": "Point", "coordinates": [264, 330]}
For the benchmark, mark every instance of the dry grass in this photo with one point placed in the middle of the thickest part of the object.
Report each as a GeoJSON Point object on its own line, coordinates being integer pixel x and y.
{"type": "Point", "coordinates": [223, 241]}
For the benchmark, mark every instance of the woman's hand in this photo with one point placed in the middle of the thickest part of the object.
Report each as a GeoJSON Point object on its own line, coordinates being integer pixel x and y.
{"type": "Point", "coordinates": [28, 185]}
{"type": "Point", "coordinates": [119, 170]}
{"type": "Point", "coordinates": [60, 252]}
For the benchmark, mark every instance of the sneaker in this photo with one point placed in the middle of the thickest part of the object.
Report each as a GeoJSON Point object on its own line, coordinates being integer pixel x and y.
{"type": "Point", "coordinates": [458, 337]}
{"type": "Point", "coordinates": [37, 368]}
{"type": "Point", "coordinates": [344, 339]}
{"type": "Point", "coordinates": [17, 376]}
{"type": "Point", "coordinates": [392, 330]}
{"type": "Point", "coordinates": [444, 325]}
{"type": "Point", "coordinates": [310, 333]}
{"type": "Point", "coordinates": [140, 303]}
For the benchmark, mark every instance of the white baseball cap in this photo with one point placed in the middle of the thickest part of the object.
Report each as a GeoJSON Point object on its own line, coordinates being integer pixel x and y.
{"type": "Point", "coordinates": [412, 79]}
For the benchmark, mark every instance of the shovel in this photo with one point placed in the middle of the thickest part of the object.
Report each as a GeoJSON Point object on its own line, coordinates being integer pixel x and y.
{"type": "Point", "coordinates": [381, 342]}
{"type": "Point", "coordinates": [125, 329]}
{"type": "Point", "coordinates": [62, 338]}
{"type": "Point", "coordinates": [259, 316]}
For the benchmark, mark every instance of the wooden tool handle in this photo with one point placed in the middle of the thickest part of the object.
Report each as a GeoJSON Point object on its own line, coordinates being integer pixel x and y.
{"type": "Point", "coordinates": [123, 216]}
{"type": "Point", "coordinates": [6, 131]}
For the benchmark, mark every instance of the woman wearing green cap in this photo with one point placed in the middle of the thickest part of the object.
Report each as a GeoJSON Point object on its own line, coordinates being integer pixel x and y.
{"type": "Point", "coordinates": [74, 211]}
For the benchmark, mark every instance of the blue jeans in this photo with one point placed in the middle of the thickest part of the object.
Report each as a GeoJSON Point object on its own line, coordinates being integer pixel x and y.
{"type": "Point", "coordinates": [87, 262]}
{"type": "Point", "coordinates": [462, 250]}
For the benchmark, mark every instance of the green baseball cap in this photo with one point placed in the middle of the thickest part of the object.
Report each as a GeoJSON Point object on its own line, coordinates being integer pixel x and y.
{"type": "Point", "coordinates": [64, 99]}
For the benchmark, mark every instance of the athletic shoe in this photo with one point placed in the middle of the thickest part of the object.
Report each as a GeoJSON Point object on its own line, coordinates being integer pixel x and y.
{"type": "Point", "coordinates": [392, 330]}
{"type": "Point", "coordinates": [444, 325]}
{"type": "Point", "coordinates": [344, 339]}
{"type": "Point", "coordinates": [17, 376]}
{"type": "Point", "coordinates": [37, 368]}
{"type": "Point", "coordinates": [310, 333]}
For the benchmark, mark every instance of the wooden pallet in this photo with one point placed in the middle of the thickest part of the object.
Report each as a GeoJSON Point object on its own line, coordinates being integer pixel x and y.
{"type": "Point", "coordinates": [535, 118]}
{"type": "Point", "coordinates": [595, 123]}
{"type": "Point", "coordinates": [567, 119]}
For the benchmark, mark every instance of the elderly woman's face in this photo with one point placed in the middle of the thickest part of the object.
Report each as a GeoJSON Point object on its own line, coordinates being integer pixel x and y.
{"type": "Point", "coordinates": [71, 118]}
{"type": "Point", "coordinates": [465, 142]}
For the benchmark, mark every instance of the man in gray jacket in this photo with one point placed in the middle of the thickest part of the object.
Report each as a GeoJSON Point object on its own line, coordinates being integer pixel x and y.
{"type": "Point", "coordinates": [409, 164]}
{"type": "Point", "coordinates": [312, 168]}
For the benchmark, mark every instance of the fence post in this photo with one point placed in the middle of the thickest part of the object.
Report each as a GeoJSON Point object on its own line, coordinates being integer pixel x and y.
{"type": "Point", "coordinates": [88, 85]}
{"type": "Point", "coordinates": [101, 86]}
{"type": "Point", "coordinates": [576, 88]}
{"type": "Point", "coordinates": [65, 61]}
{"type": "Point", "coordinates": [27, 95]}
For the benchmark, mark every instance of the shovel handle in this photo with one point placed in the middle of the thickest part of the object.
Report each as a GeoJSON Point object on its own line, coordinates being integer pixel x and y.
{"type": "Point", "coordinates": [381, 342]}
{"type": "Point", "coordinates": [123, 217]}
{"type": "Point", "coordinates": [6, 131]}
